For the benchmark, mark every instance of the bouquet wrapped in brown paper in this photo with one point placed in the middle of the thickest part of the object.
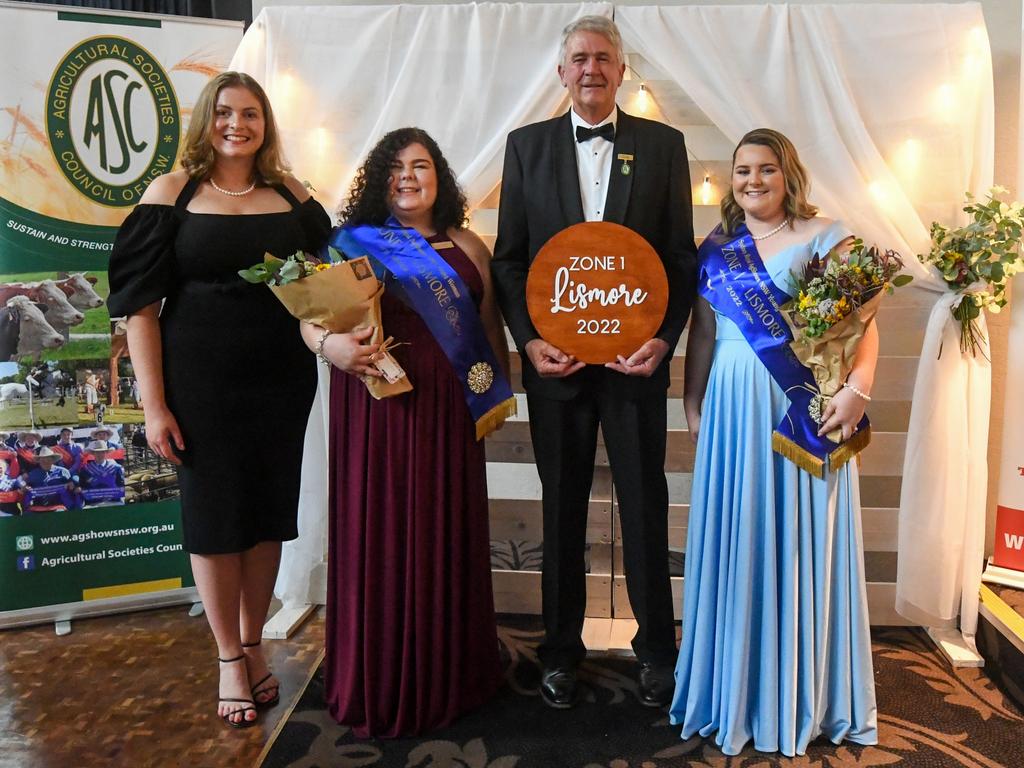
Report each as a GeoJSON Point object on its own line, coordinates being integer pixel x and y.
{"type": "Point", "coordinates": [830, 355]}
{"type": "Point", "coordinates": [340, 296]}
{"type": "Point", "coordinates": [837, 297]}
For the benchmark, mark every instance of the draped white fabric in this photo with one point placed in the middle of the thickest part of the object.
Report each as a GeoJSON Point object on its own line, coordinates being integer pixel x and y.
{"type": "Point", "coordinates": [945, 478]}
{"type": "Point", "coordinates": [891, 109]}
{"type": "Point", "coordinates": [862, 90]}
{"type": "Point", "coordinates": [340, 77]}
{"type": "Point", "coordinates": [303, 576]}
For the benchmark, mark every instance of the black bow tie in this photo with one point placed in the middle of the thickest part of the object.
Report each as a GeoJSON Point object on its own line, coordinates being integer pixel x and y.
{"type": "Point", "coordinates": [606, 131]}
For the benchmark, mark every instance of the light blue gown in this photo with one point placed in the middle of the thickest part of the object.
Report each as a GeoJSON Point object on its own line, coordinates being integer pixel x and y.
{"type": "Point", "coordinates": [775, 639]}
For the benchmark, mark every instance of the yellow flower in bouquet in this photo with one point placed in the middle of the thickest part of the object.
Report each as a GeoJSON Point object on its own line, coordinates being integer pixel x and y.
{"type": "Point", "coordinates": [978, 259]}
{"type": "Point", "coordinates": [275, 271]}
{"type": "Point", "coordinates": [837, 296]}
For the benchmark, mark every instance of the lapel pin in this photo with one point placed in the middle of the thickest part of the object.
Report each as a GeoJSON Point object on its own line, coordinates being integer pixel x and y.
{"type": "Point", "coordinates": [626, 168]}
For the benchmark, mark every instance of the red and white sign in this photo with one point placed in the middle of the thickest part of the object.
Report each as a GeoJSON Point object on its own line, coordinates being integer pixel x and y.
{"type": "Point", "coordinates": [1008, 551]}
{"type": "Point", "coordinates": [1008, 547]}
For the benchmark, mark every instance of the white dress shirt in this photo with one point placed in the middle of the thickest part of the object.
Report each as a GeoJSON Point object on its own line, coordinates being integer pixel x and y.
{"type": "Point", "coordinates": [594, 165]}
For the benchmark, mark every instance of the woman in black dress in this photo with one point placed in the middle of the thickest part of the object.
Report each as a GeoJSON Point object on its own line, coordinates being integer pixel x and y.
{"type": "Point", "coordinates": [223, 358]}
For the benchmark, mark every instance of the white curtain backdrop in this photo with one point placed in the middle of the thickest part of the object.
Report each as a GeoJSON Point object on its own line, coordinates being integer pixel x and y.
{"type": "Point", "coordinates": [891, 109]}
{"type": "Point", "coordinates": [889, 106]}
{"type": "Point", "coordinates": [340, 77]}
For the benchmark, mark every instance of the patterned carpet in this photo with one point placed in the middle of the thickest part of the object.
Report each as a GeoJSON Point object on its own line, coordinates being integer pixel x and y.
{"type": "Point", "coordinates": [930, 716]}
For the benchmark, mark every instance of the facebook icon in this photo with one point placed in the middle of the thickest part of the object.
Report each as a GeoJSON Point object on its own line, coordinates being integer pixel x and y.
{"type": "Point", "coordinates": [26, 562]}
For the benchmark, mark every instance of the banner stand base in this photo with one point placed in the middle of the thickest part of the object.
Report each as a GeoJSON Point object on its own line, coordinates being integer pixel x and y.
{"type": "Point", "coordinates": [65, 613]}
{"type": "Point", "coordinates": [1008, 577]}
{"type": "Point", "coordinates": [959, 650]}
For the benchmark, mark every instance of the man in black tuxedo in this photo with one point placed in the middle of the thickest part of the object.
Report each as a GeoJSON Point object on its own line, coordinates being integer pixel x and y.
{"type": "Point", "coordinates": [598, 163]}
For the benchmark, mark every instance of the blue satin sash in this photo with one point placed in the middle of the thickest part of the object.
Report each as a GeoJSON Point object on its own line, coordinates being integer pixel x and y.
{"type": "Point", "coordinates": [419, 277]}
{"type": "Point", "coordinates": [735, 282]}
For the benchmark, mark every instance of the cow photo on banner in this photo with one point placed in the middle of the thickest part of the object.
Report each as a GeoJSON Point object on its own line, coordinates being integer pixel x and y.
{"type": "Point", "coordinates": [89, 519]}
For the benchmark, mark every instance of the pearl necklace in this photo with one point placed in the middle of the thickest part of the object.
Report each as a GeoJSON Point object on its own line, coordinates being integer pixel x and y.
{"type": "Point", "coordinates": [765, 236]}
{"type": "Point", "coordinates": [223, 191]}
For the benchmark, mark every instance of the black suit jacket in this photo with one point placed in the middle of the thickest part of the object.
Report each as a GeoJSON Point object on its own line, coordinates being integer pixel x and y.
{"type": "Point", "coordinates": [540, 196]}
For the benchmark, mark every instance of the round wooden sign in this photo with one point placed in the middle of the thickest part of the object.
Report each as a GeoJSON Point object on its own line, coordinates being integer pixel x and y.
{"type": "Point", "coordinates": [597, 290]}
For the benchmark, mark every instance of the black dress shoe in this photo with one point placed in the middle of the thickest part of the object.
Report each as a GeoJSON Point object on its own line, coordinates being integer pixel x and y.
{"type": "Point", "coordinates": [558, 687]}
{"type": "Point", "coordinates": [655, 684]}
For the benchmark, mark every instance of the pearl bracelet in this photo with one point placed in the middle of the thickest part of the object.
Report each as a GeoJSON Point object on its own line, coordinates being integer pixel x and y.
{"type": "Point", "coordinates": [320, 348]}
{"type": "Point", "coordinates": [862, 395]}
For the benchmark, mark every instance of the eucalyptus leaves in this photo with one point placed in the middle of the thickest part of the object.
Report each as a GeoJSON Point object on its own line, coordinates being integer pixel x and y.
{"type": "Point", "coordinates": [978, 259]}
{"type": "Point", "coordinates": [275, 271]}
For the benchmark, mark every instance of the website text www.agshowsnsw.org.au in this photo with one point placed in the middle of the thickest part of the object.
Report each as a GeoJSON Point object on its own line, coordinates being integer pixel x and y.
{"type": "Point", "coordinates": [111, 550]}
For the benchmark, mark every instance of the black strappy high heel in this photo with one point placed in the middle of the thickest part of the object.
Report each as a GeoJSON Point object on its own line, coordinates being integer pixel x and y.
{"type": "Point", "coordinates": [275, 688]}
{"type": "Point", "coordinates": [243, 723]}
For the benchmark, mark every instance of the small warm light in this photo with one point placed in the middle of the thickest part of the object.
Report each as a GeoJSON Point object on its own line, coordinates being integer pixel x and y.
{"type": "Point", "coordinates": [977, 56]}
{"type": "Point", "coordinates": [972, 68]}
{"type": "Point", "coordinates": [945, 102]}
{"type": "Point", "coordinates": [908, 158]}
{"type": "Point", "coordinates": [705, 190]}
{"type": "Point", "coordinates": [283, 88]}
{"type": "Point", "coordinates": [642, 98]}
{"type": "Point", "coordinates": [882, 192]}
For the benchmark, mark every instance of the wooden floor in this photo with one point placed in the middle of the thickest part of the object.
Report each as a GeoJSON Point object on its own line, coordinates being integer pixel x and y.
{"type": "Point", "coordinates": [134, 690]}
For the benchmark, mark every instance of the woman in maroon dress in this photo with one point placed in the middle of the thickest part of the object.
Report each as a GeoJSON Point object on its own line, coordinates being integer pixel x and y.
{"type": "Point", "coordinates": [411, 640]}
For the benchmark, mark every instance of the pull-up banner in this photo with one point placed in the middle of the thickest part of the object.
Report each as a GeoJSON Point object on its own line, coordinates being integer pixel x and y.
{"type": "Point", "coordinates": [93, 106]}
{"type": "Point", "coordinates": [1008, 547]}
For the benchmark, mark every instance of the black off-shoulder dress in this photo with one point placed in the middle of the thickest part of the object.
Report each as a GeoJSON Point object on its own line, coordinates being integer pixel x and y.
{"type": "Point", "coordinates": [237, 376]}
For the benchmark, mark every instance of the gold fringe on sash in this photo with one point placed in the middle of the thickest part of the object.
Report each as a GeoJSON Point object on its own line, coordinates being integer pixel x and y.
{"type": "Point", "coordinates": [811, 463]}
{"type": "Point", "coordinates": [858, 442]}
{"type": "Point", "coordinates": [495, 417]}
{"type": "Point", "coordinates": [802, 458]}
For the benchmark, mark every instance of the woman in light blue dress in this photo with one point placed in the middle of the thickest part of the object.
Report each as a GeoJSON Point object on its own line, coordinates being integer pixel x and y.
{"type": "Point", "coordinates": [776, 646]}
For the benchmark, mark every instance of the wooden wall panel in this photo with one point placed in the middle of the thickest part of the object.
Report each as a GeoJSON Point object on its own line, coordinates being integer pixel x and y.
{"type": "Point", "coordinates": [881, 601]}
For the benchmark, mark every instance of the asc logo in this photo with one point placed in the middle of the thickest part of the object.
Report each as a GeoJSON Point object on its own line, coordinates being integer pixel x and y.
{"type": "Point", "coordinates": [112, 119]}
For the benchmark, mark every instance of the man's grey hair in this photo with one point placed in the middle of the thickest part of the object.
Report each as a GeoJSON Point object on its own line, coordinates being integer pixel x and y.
{"type": "Point", "coordinates": [600, 25]}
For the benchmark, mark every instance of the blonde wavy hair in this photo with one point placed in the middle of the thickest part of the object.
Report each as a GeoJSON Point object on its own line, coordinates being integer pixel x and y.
{"type": "Point", "coordinates": [198, 156]}
{"type": "Point", "coordinates": [798, 183]}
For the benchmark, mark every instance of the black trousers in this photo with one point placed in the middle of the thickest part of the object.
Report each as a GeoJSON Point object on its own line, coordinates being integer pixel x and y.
{"type": "Point", "coordinates": [564, 436]}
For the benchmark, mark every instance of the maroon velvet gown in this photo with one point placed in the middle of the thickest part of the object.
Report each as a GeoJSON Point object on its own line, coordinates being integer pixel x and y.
{"type": "Point", "coordinates": [411, 638]}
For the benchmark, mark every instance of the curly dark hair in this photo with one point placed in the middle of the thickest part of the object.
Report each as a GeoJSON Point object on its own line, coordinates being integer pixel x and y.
{"type": "Point", "coordinates": [367, 201]}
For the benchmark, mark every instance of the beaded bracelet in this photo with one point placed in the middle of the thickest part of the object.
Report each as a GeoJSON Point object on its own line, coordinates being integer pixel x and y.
{"type": "Point", "coordinates": [320, 348]}
{"type": "Point", "coordinates": [863, 395]}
